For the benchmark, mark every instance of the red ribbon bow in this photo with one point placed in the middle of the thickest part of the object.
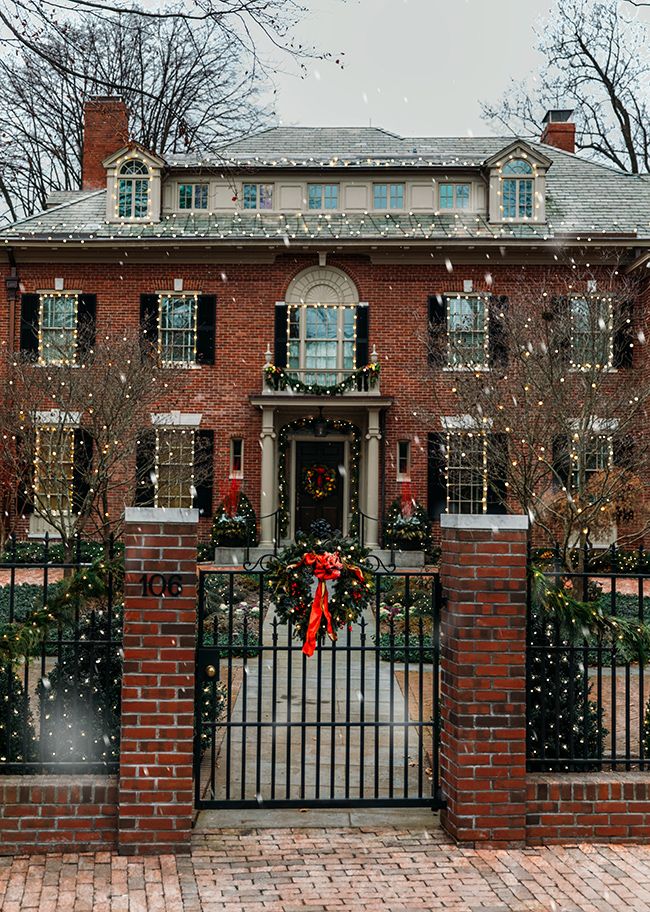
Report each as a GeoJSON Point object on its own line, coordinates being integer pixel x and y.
{"type": "Point", "coordinates": [326, 566]}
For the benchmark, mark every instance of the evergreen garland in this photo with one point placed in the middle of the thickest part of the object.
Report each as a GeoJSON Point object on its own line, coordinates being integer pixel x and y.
{"type": "Point", "coordinates": [279, 378]}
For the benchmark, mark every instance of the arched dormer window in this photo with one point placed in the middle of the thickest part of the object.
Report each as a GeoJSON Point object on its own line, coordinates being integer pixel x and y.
{"type": "Point", "coordinates": [517, 189]}
{"type": "Point", "coordinates": [133, 190]}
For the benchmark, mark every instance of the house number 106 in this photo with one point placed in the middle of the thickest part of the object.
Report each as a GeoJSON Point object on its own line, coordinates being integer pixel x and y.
{"type": "Point", "coordinates": [159, 585]}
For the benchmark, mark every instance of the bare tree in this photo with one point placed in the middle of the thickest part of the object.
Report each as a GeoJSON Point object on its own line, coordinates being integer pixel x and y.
{"type": "Point", "coordinates": [596, 59]}
{"type": "Point", "coordinates": [69, 430]}
{"type": "Point", "coordinates": [187, 89]}
{"type": "Point", "coordinates": [557, 406]}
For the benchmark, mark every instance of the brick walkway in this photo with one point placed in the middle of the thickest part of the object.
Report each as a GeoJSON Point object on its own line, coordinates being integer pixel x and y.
{"type": "Point", "coordinates": [317, 870]}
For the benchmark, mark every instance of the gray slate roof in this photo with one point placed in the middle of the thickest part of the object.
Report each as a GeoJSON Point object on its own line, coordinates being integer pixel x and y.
{"type": "Point", "coordinates": [583, 198]}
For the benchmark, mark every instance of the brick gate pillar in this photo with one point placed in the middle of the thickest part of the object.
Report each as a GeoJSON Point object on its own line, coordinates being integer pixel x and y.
{"type": "Point", "coordinates": [483, 686]}
{"type": "Point", "coordinates": [155, 788]}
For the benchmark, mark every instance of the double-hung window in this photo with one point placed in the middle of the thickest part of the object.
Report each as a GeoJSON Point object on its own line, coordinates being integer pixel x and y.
{"type": "Point", "coordinates": [466, 472]}
{"type": "Point", "coordinates": [595, 455]}
{"type": "Point", "coordinates": [403, 460]}
{"type": "Point", "coordinates": [177, 333]}
{"type": "Point", "coordinates": [467, 331]}
{"type": "Point", "coordinates": [236, 457]}
{"type": "Point", "coordinates": [193, 196]}
{"type": "Point", "coordinates": [54, 469]}
{"type": "Point", "coordinates": [591, 332]}
{"type": "Point", "coordinates": [517, 190]}
{"type": "Point", "coordinates": [174, 472]}
{"type": "Point", "coordinates": [133, 190]}
{"type": "Point", "coordinates": [388, 196]}
{"type": "Point", "coordinates": [258, 196]}
{"type": "Point", "coordinates": [57, 342]}
{"type": "Point", "coordinates": [321, 342]}
{"type": "Point", "coordinates": [454, 196]}
{"type": "Point", "coordinates": [323, 196]}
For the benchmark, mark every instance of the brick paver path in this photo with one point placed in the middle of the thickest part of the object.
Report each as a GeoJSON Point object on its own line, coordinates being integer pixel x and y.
{"type": "Point", "coordinates": [317, 870]}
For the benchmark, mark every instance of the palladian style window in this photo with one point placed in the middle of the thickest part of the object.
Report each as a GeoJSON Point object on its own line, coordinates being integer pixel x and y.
{"type": "Point", "coordinates": [517, 189]}
{"type": "Point", "coordinates": [133, 190]}
{"type": "Point", "coordinates": [321, 342]}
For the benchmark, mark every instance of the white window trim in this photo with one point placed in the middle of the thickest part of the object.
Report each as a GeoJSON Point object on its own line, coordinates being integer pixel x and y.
{"type": "Point", "coordinates": [339, 372]}
{"type": "Point", "coordinates": [174, 427]}
{"type": "Point", "coordinates": [118, 177]}
{"type": "Point", "coordinates": [57, 294]}
{"type": "Point", "coordinates": [258, 184]}
{"type": "Point", "coordinates": [183, 365]}
{"type": "Point", "coordinates": [233, 473]}
{"type": "Point", "coordinates": [404, 476]}
{"type": "Point", "coordinates": [192, 208]}
{"type": "Point", "coordinates": [604, 368]}
{"type": "Point", "coordinates": [388, 207]}
{"type": "Point", "coordinates": [464, 423]}
{"type": "Point", "coordinates": [67, 428]}
{"type": "Point", "coordinates": [455, 183]}
{"type": "Point", "coordinates": [449, 296]}
{"type": "Point", "coordinates": [482, 432]}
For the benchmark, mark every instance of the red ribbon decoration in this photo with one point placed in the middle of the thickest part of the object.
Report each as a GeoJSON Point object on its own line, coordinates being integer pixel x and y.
{"type": "Point", "coordinates": [327, 566]}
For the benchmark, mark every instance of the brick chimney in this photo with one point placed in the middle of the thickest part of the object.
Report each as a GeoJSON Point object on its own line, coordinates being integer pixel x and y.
{"type": "Point", "coordinates": [559, 130]}
{"type": "Point", "coordinates": [106, 129]}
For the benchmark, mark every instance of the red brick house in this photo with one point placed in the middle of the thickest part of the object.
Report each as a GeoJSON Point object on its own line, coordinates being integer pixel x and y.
{"type": "Point", "coordinates": [320, 252]}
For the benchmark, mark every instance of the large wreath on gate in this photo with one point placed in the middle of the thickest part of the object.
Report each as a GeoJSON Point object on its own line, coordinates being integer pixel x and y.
{"type": "Point", "coordinates": [344, 588]}
{"type": "Point", "coordinates": [319, 481]}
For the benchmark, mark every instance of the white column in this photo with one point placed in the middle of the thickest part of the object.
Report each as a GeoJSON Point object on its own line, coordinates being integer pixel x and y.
{"type": "Point", "coordinates": [268, 497]}
{"type": "Point", "coordinates": [372, 480]}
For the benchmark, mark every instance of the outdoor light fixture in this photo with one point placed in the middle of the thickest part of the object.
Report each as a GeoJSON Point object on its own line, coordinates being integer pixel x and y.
{"type": "Point", "coordinates": [320, 424]}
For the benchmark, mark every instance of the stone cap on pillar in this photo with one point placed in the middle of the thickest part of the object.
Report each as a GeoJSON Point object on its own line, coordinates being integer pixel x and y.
{"type": "Point", "coordinates": [489, 522]}
{"type": "Point", "coordinates": [160, 515]}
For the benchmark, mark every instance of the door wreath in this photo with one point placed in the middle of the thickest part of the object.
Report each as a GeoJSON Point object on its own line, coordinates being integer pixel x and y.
{"type": "Point", "coordinates": [319, 481]}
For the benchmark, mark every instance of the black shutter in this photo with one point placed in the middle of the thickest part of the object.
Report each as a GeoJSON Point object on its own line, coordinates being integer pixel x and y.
{"type": "Point", "coordinates": [497, 473]}
{"type": "Point", "coordinates": [280, 353]}
{"type": "Point", "coordinates": [206, 328]}
{"type": "Point", "coordinates": [81, 468]}
{"type": "Point", "coordinates": [145, 467]}
{"type": "Point", "coordinates": [437, 485]}
{"type": "Point", "coordinates": [561, 461]}
{"type": "Point", "coordinates": [25, 495]}
{"type": "Point", "coordinates": [438, 331]}
{"type": "Point", "coordinates": [204, 471]}
{"type": "Point", "coordinates": [29, 317]}
{"type": "Point", "coordinates": [624, 452]}
{"type": "Point", "coordinates": [363, 350]}
{"type": "Point", "coordinates": [497, 336]}
{"type": "Point", "coordinates": [86, 324]}
{"type": "Point", "coordinates": [624, 335]}
{"type": "Point", "coordinates": [561, 327]}
{"type": "Point", "coordinates": [149, 324]}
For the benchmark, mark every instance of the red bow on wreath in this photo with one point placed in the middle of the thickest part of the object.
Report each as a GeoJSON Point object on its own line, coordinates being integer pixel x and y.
{"type": "Point", "coordinates": [327, 566]}
{"type": "Point", "coordinates": [320, 481]}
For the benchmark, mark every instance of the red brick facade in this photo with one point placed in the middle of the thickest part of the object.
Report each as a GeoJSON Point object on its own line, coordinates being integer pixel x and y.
{"type": "Point", "coordinates": [57, 813]}
{"type": "Point", "coordinates": [155, 783]}
{"type": "Point", "coordinates": [483, 684]}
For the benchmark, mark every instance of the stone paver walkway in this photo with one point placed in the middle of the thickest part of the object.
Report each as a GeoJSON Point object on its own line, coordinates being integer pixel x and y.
{"type": "Point", "coordinates": [317, 870]}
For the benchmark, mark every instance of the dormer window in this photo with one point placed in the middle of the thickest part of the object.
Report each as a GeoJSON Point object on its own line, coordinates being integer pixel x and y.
{"type": "Point", "coordinates": [133, 190]}
{"type": "Point", "coordinates": [517, 189]}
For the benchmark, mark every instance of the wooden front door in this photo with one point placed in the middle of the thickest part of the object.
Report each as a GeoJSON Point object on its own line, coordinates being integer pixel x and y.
{"type": "Point", "coordinates": [308, 508]}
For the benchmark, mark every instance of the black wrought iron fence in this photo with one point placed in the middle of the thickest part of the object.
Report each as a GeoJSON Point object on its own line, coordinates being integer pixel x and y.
{"type": "Point", "coordinates": [61, 659]}
{"type": "Point", "coordinates": [588, 660]}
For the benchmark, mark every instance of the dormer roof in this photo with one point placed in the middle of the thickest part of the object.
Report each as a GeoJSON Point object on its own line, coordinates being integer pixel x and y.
{"type": "Point", "coordinates": [138, 151]}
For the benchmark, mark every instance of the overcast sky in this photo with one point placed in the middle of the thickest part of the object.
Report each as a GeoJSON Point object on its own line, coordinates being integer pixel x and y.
{"type": "Point", "coordinates": [417, 67]}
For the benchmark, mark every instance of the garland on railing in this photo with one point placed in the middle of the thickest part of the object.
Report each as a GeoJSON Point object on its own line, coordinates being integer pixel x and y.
{"type": "Point", "coordinates": [279, 378]}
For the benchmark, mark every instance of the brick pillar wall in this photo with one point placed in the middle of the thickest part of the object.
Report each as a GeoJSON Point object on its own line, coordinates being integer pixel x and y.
{"type": "Point", "coordinates": [155, 789]}
{"type": "Point", "coordinates": [483, 686]}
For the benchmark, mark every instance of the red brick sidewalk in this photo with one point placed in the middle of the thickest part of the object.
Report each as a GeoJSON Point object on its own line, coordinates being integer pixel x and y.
{"type": "Point", "coordinates": [388, 870]}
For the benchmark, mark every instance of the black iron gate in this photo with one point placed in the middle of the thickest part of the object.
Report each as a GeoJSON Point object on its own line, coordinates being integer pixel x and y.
{"type": "Point", "coordinates": [356, 724]}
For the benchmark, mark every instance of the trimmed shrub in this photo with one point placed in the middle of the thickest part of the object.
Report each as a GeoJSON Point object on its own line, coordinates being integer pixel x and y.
{"type": "Point", "coordinates": [407, 526]}
{"type": "Point", "coordinates": [17, 736]}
